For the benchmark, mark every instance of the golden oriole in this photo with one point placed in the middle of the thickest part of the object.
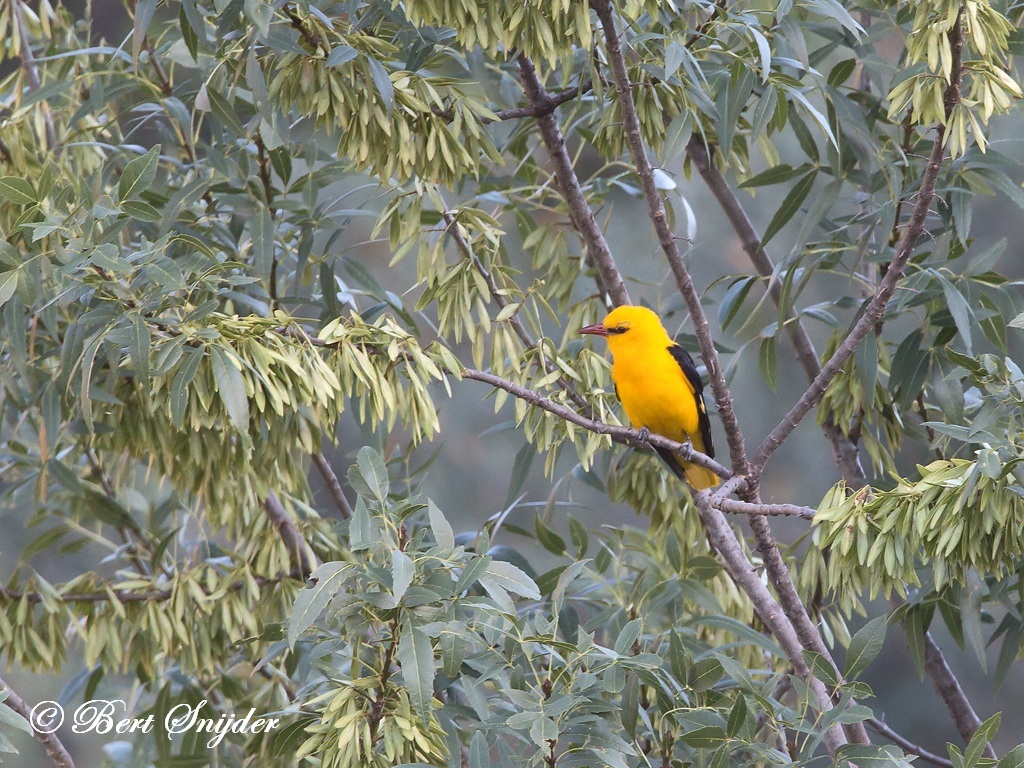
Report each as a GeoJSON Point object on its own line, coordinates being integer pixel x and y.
{"type": "Point", "coordinates": [659, 387]}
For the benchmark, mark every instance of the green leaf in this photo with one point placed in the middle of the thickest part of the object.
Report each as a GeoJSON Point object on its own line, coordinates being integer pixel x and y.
{"type": "Point", "coordinates": [766, 360]}
{"type": "Point", "coordinates": [511, 578]}
{"type": "Point", "coordinates": [138, 175]}
{"type": "Point", "coordinates": [627, 636]}
{"type": "Point", "coordinates": [310, 602]}
{"type": "Point", "coordinates": [790, 205]}
{"type": "Point", "coordinates": [373, 471]}
{"type": "Point", "coordinates": [8, 285]}
{"type": "Point", "coordinates": [975, 751]}
{"type": "Point", "coordinates": [440, 527]}
{"type": "Point", "coordinates": [180, 385]}
{"type": "Point", "coordinates": [416, 656]}
{"type": "Point", "coordinates": [1014, 758]}
{"type": "Point", "coordinates": [971, 596]}
{"type": "Point", "coordinates": [16, 190]}
{"type": "Point", "coordinates": [705, 673]}
{"type": "Point", "coordinates": [141, 211]}
{"type": "Point", "coordinates": [520, 470]}
{"type": "Point", "coordinates": [734, 297]}
{"type": "Point", "coordinates": [383, 83]}
{"type": "Point", "coordinates": [580, 538]}
{"type": "Point", "coordinates": [550, 540]}
{"type": "Point", "coordinates": [140, 341]}
{"type": "Point", "coordinates": [225, 112]}
{"type": "Point", "coordinates": [775, 175]}
{"type": "Point", "coordinates": [402, 571]}
{"type": "Point", "coordinates": [960, 310]}
{"type": "Point", "coordinates": [231, 389]}
{"type": "Point", "coordinates": [341, 54]}
{"type": "Point", "coordinates": [865, 646]}
{"type": "Point", "coordinates": [841, 72]}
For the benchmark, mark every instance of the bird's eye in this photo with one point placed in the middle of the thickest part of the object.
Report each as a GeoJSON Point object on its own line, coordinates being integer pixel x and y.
{"type": "Point", "coordinates": [619, 329]}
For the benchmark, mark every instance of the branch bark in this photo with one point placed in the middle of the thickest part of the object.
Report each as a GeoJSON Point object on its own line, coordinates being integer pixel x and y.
{"type": "Point", "coordinates": [948, 687]}
{"type": "Point", "coordinates": [290, 534]}
{"type": "Point", "coordinates": [55, 749]}
{"type": "Point", "coordinates": [724, 540]}
{"type": "Point", "coordinates": [333, 485]}
{"type": "Point", "coordinates": [844, 449]}
{"type": "Point", "coordinates": [907, 745]}
{"type": "Point", "coordinates": [875, 308]}
{"type": "Point", "coordinates": [598, 254]}
{"type": "Point", "coordinates": [625, 435]}
{"type": "Point", "coordinates": [776, 568]}
{"type": "Point", "coordinates": [28, 64]}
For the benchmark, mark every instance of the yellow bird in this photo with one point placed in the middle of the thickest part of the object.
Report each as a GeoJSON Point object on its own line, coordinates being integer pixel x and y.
{"type": "Point", "coordinates": [659, 387]}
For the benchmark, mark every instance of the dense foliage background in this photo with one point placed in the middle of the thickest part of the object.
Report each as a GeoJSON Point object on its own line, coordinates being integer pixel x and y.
{"type": "Point", "coordinates": [288, 295]}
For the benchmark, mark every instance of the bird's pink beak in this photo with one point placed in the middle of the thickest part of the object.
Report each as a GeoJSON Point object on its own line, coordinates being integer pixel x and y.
{"type": "Point", "coordinates": [594, 330]}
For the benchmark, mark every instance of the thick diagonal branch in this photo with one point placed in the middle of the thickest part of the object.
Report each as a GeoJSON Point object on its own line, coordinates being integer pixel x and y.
{"type": "Point", "coordinates": [598, 254]}
{"type": "Point", "coordinates": [776, 568]}
{"type": "Point", "coordinates": [290, 534]}
{"type": "Point", "coordinates": [948, 687]}
{"type": "Point", "coordinates": [843, 448]}
{"type": "Point", "coordinates": [875, 308]}
{"type": "Point", "coordinates": [333, 485]}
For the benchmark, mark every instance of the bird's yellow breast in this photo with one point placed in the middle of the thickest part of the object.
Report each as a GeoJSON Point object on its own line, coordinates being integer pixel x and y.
{"type": "Point", "coordinates": [653, 390]}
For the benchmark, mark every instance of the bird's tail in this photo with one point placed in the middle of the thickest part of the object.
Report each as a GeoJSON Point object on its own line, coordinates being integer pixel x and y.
{"type": "Point", "coordinates": [699, 477]}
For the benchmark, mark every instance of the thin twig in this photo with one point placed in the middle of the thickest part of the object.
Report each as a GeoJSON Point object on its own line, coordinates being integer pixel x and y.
{"type": "Point", "coordinates": [55, 750]}
{"type": "Point", "coordinates": [908, 746]}
{"type": "Point", "coordinates": [333, 485]}
{"type": "Point", "coordinates": [598, 253]}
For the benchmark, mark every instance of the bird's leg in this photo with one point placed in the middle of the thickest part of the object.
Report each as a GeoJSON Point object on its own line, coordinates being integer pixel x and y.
{"type": "Point", "coordinates": [640, 441]}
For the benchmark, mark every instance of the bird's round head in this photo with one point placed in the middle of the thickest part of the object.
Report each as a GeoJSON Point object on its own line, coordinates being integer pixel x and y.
{"type": "Point", "coordinates": [629, 324]}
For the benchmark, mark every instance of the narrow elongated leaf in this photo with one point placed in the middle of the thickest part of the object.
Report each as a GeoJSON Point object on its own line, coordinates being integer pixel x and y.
{"type": "Point", "coordinates": [513, 579]}
{"type": "Point", "coordinates": [790, 205]}
{"type": "Point", "coordinates": [440, 527]}
{"type": "Point", "coordinates": [138, 174]}
{"type": "Point", "coordinates": [231, 389]}
{"type": "Point", "coordinates": [865, 646]}
{"type": "Point", "coordinates": [140, 341]}
{"type": "Point", "coordinates": [416, 656]}
{"type": "Point", "coordinates": [402, 571]}
{"type": "Point", "coordinates": [311, 601]}
{"type": "Point", "coordinates": [8, 285]}
{"type": "Point", "coordinates": [383, 83]}
{"type": "Point", "coordinates": [373, 472]}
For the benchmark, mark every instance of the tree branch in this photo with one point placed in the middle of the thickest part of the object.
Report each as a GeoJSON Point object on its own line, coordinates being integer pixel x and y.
{"type": "Point", "coordinates": [875, 308]}
{"type": "Point", "coordinates": [598, 253]}
{"type": "Point", "coordinates": [625, 435]}
{"type": "Point", "coordinates": [843, 448]}
{"type": "Point", "coordinates": [952, 695]}
{"type": "Point", "coordinates": [735, 507]}
{"type": "Point", "coordinates": [907, 745]}
{"type": "Point", "coordinates": [333, 485]}
{"type": "Point", "coordinates": [290, 534]}
{"type": "Point", "coordinates": [724, 540]}
{"type": "Point", "coordinates": [55, 750]}
{"type": "Point", "coordinates": [28, 64]}
{"type": "Point", "coordinates": [656, 209]}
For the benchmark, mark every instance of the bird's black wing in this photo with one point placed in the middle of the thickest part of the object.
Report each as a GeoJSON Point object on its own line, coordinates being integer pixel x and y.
{"type": "Point", "coordinates": [690, 369]}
